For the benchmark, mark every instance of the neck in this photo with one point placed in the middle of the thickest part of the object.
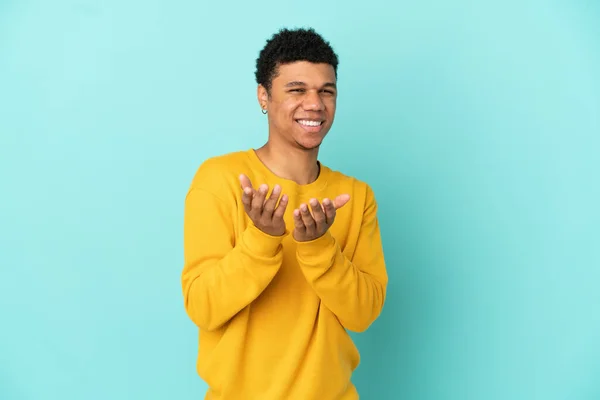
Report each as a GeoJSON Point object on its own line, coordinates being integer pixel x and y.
{"type": "Point", "coordinates": [297, 165]}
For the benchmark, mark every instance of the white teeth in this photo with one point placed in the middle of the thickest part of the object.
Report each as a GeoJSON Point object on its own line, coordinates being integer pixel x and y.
{"type": "Point", "coordinates": [309, 122]}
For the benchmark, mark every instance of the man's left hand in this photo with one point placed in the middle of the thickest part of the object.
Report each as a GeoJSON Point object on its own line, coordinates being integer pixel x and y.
{"type": "Point", "coordinates": [310, 226]}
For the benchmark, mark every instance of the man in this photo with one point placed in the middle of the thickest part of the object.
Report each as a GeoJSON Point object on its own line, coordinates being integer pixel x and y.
{"type": "Point", "coordinates": [283, 255]}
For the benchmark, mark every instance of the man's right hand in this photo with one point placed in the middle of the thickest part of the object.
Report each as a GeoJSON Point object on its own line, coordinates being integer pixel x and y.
{"type": "Point", "coordinates": [265, 213]}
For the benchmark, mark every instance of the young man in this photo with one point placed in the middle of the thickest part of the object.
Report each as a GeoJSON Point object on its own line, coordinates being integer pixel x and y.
{"type": "Point", "coordinates": [283, 255]}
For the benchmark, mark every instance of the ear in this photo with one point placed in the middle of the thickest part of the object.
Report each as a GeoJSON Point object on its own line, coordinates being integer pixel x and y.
{"type": "Point", "coordinates": [263, 96]}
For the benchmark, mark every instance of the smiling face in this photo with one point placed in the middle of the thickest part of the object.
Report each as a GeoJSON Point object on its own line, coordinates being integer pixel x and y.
{"type": "Point", "coordinates": [301, 104]}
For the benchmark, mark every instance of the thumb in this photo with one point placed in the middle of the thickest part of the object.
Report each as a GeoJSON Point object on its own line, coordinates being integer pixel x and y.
{"type": "Point", "coordinates": [341, 200]}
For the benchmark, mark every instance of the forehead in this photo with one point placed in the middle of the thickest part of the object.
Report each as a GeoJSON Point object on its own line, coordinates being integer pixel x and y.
{"type": "Point", "coordinates": [304, 71]}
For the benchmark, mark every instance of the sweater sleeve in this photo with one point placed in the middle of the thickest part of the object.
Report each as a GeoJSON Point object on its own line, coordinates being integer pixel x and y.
{"type": "Point", "coordinates": [222, 274]}
{"type": "Point", "coordinates": [353, 289]}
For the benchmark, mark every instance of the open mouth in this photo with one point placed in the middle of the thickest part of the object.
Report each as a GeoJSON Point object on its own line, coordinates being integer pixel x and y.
{"type": "Point", "coordinates": [311, 125]}
{"type": "Point", "coordinates": [309, 122]}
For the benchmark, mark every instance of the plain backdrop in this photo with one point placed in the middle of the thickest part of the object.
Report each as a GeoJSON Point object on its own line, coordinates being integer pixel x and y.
{"type": "Point", "coordinates": [476, 123]}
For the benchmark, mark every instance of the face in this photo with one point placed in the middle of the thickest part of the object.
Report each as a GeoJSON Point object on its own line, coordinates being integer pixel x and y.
{"type": "Point", "coordinates": [301, 104]}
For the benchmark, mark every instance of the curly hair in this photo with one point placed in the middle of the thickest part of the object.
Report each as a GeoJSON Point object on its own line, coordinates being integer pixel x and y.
{"type": "Point", "coordinates": [290, 45]}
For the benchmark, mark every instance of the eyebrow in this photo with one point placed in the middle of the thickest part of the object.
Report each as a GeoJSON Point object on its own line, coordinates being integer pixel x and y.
{"type": "Point", "coordinates": [299, 83]}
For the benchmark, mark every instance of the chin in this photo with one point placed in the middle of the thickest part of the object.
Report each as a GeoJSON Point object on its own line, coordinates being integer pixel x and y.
{"type": "Point", "coordinates": [310, 141]}
{"type": "Point", "coordinates": [310, 148]}
{"type": "Point", "coordinates": [309, 144]}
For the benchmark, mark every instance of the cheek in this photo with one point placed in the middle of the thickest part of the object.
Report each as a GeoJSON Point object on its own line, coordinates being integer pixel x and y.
{"type": "Point", "coordinates": [290, 107]}
{"type": "Point", "coordinates": [329, 101]}
{"type": "Point", "coordinates": [331, 104]}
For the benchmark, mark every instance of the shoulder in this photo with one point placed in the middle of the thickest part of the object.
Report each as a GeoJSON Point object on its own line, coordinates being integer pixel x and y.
{"type": "Point", "coordinates": [220, 174]}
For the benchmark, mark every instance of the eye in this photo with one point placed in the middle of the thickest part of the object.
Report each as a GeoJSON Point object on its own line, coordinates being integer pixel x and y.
{"type": "Point", "coordinates": [297, 90]}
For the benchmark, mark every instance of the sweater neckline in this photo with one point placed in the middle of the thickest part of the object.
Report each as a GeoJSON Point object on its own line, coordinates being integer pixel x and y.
{"type": "Point", "coordinates": [317, 184]}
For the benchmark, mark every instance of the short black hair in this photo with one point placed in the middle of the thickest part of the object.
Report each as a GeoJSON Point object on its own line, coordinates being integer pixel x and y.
{"type": "Point", "coordinates": [291, 45]}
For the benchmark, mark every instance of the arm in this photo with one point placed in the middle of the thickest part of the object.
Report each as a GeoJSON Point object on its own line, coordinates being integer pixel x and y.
{"type": "Point", "coordinates": [353, 289]}
{"type": "Point", "coordinates": [222, 275]}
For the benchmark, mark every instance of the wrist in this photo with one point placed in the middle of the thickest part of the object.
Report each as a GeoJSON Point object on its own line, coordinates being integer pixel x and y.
{"type": "Point", "coordinates": [263, 243]}
{"type": "Point", "coordinates": [321, 242]}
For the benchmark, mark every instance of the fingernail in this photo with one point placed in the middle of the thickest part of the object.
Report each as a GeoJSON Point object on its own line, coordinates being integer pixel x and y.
{"type": "Point", "coordinates": [313, 202]}
{"type": "Point", "coordinates": [303, 207]}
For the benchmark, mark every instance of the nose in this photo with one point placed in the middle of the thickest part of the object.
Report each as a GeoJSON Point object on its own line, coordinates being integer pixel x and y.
{"type": "Point", "coordinates": [313, 102]}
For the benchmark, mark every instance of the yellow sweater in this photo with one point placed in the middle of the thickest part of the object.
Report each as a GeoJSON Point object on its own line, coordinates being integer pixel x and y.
{"type": "Point", "coordinates": [273, 313]}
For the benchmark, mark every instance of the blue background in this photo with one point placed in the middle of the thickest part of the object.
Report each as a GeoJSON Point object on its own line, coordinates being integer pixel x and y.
{"type": "Point", "coordinates": [476, 123]}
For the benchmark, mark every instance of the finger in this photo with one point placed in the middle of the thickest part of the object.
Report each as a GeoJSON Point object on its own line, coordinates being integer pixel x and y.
{"type": "Point", "coordinates": [307, 219]}
{"type": "Point", "coordinates": [245, 181]}
{"type": "Point", "coordinates": [341, 200]}
{"type": "Point", "coordinates": [329, 211]}
{"type": "Point", "coordinates": [247, 195]}
{"type": "Point", "coordinates": [317, 212]}
{"type": "Point", "coordinates": [298, 223]}
{"type": "Point", "coordinates": [280, 210]}
{"type": "Point", "coordinates": [259, 198]}
{"type": "Point", "coordinates": [271, 202]}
